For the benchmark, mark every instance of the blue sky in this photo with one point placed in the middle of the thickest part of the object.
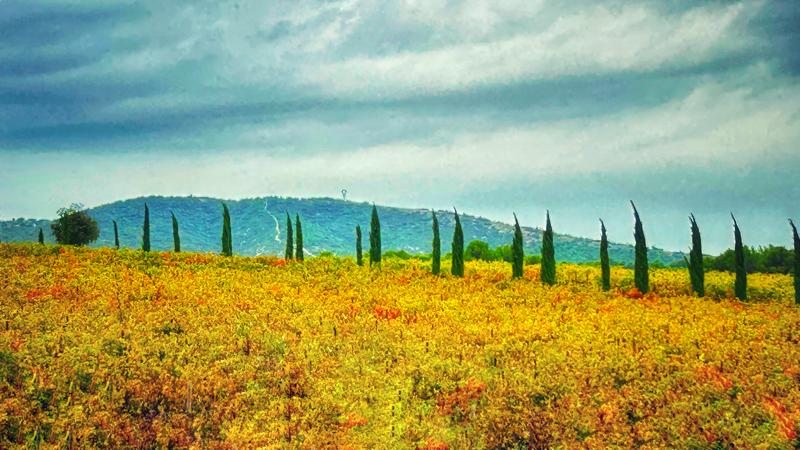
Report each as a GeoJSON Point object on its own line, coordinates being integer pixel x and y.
{"type": "Point", "coordinates": [492, 106]}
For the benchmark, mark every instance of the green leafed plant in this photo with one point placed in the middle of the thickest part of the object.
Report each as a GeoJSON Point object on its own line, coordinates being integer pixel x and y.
{"type": "Point", "coordinates": [116, 235]}
{"type": "Point", "coordinates": [796, 263]}
{"type": "Point", "coordinates": [458, 249]}
{"type": "Point", "coordinates": [695, 261]}
{"type": "Point", "coordinates": [604, 262]}
{"type": "Point", "coordinates": [517, 253]}
{"type": "Point", "coordinates": [146, 230]}
{"type": "Point", "coordinates": [548, 254]}
{"type": "Point", "coordinates": [740, 285]}
{"type": "Point", "coordinates": [640, 266]}
{"type": "Point", "coordinates": [227, 241]}
{"type": "Point", "coordinates": [436, 247]}
{"type": "Point", "coordinates": [375, 238]}
{"type": "Point", "coordinates": [289, 252]}
{"type": "Point", "coordinates": [176, 238]}
{"type": "Point", "coordinates": [359, 259]}
{"type": "Point", "coordinates": [299, 241]}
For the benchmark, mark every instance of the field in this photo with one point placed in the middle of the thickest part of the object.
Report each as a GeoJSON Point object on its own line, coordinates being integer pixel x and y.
{"type": "Point", "coordinates": [121, 349]}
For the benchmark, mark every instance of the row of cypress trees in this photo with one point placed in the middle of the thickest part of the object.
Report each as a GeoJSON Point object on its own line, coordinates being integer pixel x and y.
{"type": "Point", "coordinates": [227, 235]}
{"type": "Point", "coordinates": [548, 271]}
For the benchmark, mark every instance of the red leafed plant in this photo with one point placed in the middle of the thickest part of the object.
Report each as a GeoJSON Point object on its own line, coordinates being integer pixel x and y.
{"type": "Point", "coordinates": [460, 397]}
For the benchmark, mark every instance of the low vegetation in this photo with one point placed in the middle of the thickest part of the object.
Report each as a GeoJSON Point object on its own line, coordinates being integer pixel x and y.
{"type": "Point", "coordinates": [126, 349]}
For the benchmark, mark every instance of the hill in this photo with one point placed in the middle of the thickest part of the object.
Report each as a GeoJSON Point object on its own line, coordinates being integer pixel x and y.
{"type": "Point", "coordinates": [328, 225]}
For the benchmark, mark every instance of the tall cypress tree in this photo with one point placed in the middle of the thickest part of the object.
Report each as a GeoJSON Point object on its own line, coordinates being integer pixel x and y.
{"type": "Point", "coordinates": [695, 261]}
{"type": "Point", "coordinates": [436, 244]}
{"type": "Point", "coordinates": [604, 262]}
{"type": "Point", "coordinates": [289, 252]}
{"type": "Point", "coordinates": [116, 235]}
{"type": "Point", "coordinates": [299, 247]}
{"type": "Point", "coordinates": [146, 230]}
{"type": "Point", "coordinates": [176, 238]}
{"type": "Point", "coordinates": [517, 254]}
{"type": "Point", "coordinates": [740, 285]}
{"type": "Point", "coordinates": [796, 263]}
{"type": "Point", "coordinates": [548, 254]}
{"type": "Point", "coordinates": [41, 236]}
{"type": "Point", "coordinates": [640, 266]}
{"type": "Point", "coordinates": [359, 258]}
{"type": "Point", "coordinates": [375, 238]}
{"type": "Point", "coordinates": [458, 249]}
{"type": "Point", "coordinates": [227, 241]}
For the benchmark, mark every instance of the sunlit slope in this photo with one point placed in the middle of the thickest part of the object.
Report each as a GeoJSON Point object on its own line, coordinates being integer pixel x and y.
{"type": "Point", "coordinates": [328, 225]}
{"type": "Point", "coordinates": [114, 349]}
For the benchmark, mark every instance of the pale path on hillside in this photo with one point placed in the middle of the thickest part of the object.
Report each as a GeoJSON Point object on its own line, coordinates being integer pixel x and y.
{"type": "Point", "coordinates": [277, 225]}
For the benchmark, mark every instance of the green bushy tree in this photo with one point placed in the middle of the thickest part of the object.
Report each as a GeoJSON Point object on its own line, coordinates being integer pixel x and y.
{"type": "Point", "coordinates": [478, 250]}
{"type": "Point", "coordinates": [505, 253]}
{"type": "Point", "coordinates": [641, 278]}
{"type": "Point", "coordinates": [740, 285]}
{"type": "Point", "coordinates": [518, 254]}
{"type": "Point", "coordinates": [299, 241]}
{"type": "Point", "coordinates": [359, 259]}
{"type": "Point", "coordinates": [548, 254]}
{"type": "Point", "coordinates": [604, 261]}
{"type": "Point", "coordinates": [375, 238]}
{"type": "Point", "coordinates": [289, 252]}
{"type": "Point", "coordinates": [436, 253]}
{"type": "Point", "coordinates": [458, 249]}
{"type": "Point", "coordinates": [176, 238]}
{"type": "Point", "coordinates": [74, 226]}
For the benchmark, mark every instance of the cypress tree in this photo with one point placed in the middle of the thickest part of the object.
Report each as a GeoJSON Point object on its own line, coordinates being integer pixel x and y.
{"type": "Point", "coordinates": [116, 235]}
{"type": "Point", "coordinates": [640, 266]}
{"type": "Point", "coordinates": [289, 253]}
{"type": "Point", "coordinates": [375, 238]}
{"type": "Point", "coordinates": [176, 238]}
{"type": "Point", "coordinates": [740, 285]}
{"type": "Point", "coordinates": [359, 259]}
{"type": "Point", "coordinates": [517, 254]}
{"type": "Point", "coordinates": [227, 241]}
{"type": "Point", "coordinates": [458, 249]}
{"type": "Point", "coordinates": [548, 254]}
{"type": "Point", "coordinates": [436, 254]}
{"type": "Point", "coordinates": [299, 241]}
{"type": "Point", "coordinates": [41, 236]}
{"type": "Point", "coordinates": [604, 262]}
{"type": "Point", "coordinates": [695, 262]}
{"type": "Point", "coordinates": [146, 230]}
{"type": "Point", "coordinates": [796, 263]}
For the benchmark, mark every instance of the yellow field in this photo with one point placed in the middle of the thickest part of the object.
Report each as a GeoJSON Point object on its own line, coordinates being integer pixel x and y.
{"type": "Point", "coordinates": [118, 349]}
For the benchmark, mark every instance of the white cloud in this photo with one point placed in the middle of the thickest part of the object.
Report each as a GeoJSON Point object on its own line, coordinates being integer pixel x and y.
{"type": "Point", "coordinates": [595, 41]}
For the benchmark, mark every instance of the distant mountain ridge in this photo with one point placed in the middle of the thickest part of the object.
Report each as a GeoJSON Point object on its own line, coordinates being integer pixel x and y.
{"type": "Point", "coordinates": [258, 226]}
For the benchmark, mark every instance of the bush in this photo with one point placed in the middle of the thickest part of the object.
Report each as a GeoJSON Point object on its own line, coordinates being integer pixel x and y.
{"type": "Point", "coordinates": [401, 254]}
{"type": "Point", "coordinates": [533, 259]}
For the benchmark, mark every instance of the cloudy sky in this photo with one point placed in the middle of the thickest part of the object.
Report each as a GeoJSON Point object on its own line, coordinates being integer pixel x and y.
{"type": "Point", "coordinates": [492, 106]}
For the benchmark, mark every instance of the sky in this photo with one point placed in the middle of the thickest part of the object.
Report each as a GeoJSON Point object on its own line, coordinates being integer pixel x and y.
{"type": "Point", "coordinates": [494, 107]}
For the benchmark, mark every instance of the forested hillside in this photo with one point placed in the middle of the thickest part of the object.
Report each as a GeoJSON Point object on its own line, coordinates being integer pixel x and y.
{"type": "Point", "coordinates": [258, 227]}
